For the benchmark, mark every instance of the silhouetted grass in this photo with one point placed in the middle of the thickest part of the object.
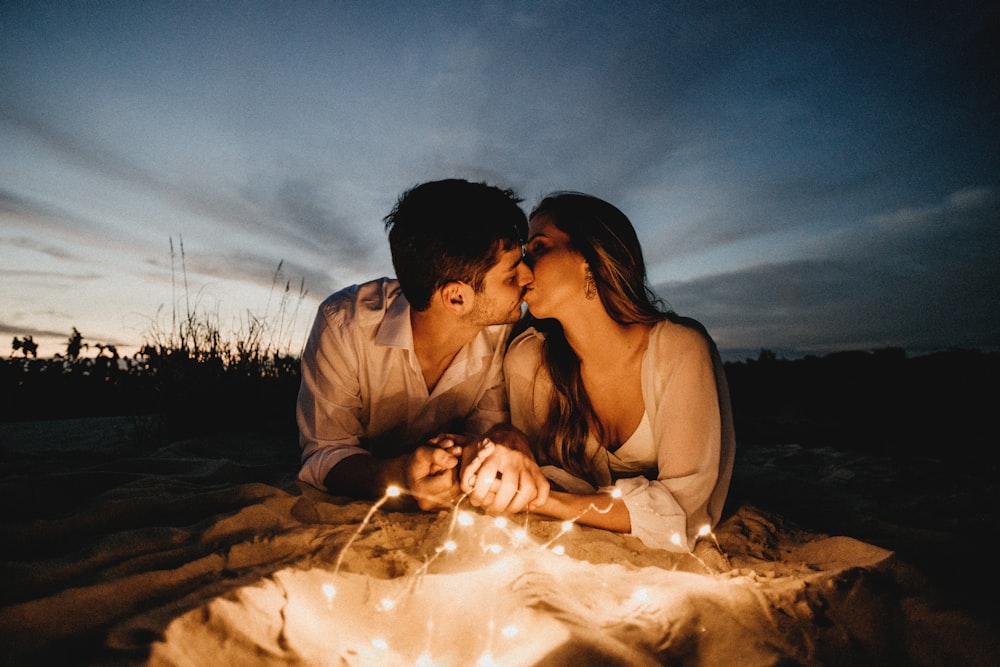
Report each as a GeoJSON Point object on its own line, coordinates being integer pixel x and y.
{"type": "Point", "coordinates": [198, 376]}
{"type": "Point", "coordinates": [195, 389]}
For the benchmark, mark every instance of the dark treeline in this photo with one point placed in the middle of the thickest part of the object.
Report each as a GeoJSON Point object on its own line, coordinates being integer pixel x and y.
{"type": "Point", "coordinates": [883, 401]}
{"type": "Point", "coordinates": [938, 405]}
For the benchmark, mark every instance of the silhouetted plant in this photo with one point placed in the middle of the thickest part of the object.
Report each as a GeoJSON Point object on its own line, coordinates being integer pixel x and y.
{"type": "Point", "coordinates": [27, 345]}
{"type": "Point", "coordinates": [75, 344]}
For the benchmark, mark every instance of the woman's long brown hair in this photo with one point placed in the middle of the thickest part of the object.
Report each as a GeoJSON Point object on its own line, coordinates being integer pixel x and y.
{"type": "Point", "coordinates": [608, 242]}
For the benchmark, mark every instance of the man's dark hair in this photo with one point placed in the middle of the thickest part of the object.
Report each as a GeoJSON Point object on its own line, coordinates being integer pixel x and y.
{"type": "Point", "coordinates": [451, 230]}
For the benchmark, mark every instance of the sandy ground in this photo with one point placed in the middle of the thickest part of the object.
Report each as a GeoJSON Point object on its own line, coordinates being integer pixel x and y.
{"type": "Point", "coordinates": [122, 546]}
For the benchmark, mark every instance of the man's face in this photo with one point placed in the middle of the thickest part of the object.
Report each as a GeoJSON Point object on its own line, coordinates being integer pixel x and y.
{"type": "Point", "coordinates": [499, 302]}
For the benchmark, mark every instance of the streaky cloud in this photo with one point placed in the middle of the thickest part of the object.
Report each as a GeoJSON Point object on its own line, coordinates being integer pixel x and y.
{"type": "Point", "coordinates": [29, 275]}
{"type": "Point", "coordinates": [7, 329]}
{"type": "Point", "coordinates": [44, 247]}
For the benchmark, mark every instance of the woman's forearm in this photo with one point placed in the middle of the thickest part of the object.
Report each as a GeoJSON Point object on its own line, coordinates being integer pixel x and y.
{"type": "Point", "coordinates": [599, 510]}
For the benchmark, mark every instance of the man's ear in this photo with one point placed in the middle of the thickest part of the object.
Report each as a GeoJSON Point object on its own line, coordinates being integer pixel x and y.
{"type": "Point", "coordinates": [456, 297]}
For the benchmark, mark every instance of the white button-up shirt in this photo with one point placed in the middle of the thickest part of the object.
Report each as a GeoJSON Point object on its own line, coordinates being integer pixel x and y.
{"type": "Point", "coordinates": [363, 390]}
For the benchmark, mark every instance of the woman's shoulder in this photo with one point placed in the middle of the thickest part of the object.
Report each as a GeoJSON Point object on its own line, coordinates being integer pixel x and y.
{"type": "Point", "coordinates": [680, 334]}
{"type": "Point", "coordinates": [523, 361]}
{"type": "Point", "coordinates": [526, 335]}
{"type": "Point", "coordinates": [527, 343]}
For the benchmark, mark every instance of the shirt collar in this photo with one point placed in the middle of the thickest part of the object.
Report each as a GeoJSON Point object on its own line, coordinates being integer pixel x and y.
{"type": "Point", "coordinates": [396, 330]}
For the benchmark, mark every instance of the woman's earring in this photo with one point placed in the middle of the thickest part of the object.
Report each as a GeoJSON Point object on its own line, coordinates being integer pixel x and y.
{"type": "Point", "coordinates": [589, 286]}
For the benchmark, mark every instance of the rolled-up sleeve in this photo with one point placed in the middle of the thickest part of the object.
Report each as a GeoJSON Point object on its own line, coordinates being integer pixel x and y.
{"type": "Point", "coordinates": [682, 398]}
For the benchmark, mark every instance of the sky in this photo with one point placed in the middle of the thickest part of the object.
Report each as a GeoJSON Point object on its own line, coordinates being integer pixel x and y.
{"type": "Point", "coordinates": [805, 177]}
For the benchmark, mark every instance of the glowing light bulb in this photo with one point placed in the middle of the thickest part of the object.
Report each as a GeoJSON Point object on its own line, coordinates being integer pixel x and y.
{"type": "Point", "coordinates": [500, 522]}
{"type": "Point", "coordinates": [641, 596]}
{"type": "Point", "coordinates": [450, 545]}
{"type": "Point", "coordinates": [510, 631]}
{"type": "Point", "coordinates": [616, 493]}
{"type": "Point", "coordinates": [520, 535]}
{"type": "Point", "coordinates": [387, 604]}
{"type": "Point", "coordinates": [676, 539]}
{"type": "Point", "coordinates": [704, 530]}
{"type": "Point", "coordinates": [567, 526]}
{"type": "Point", "coordinates": [486, 660]}
{"type": "Point", "coordinates": [425, 660]}
{"type": "Point", "coordinates": [330, 591]}
{"type": "Point", "coordinates": [465, 519]}
{"type": "Point", "coordinates": [392, 491]}
{"type": "Point", "coordinates": [380, 644]}
{"type": "Point", "coordinates": [494, 548]}
{"type": "Point", "coordinates": [559, 550]}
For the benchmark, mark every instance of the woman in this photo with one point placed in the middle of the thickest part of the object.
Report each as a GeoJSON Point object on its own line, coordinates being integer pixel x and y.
{"type": "Point", "coordinates": [625, 405]}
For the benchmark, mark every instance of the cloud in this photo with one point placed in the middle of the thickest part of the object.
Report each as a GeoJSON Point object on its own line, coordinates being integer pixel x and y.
{"type": "Point", "coordinates": [28, 276]}
{"type": "Point", "coordinates": [923, 279]}
{"type": "Point", "coordinates": [44, 220]}
{"type": "Point", "coordinates": [50, 249]}
{"type": "Point", "coordinates": [971, 201]}
{"type": "Point", "coordinates": [309, 218]}
{"type": "Point", "coordinates": [259, 271]}
{"type": "Point", "coordinates": [78, 149]}
{"type": "Point", "coordinates": [18, 330]}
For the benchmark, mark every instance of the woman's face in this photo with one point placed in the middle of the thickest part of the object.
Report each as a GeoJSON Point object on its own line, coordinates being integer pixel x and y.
{"type": "Point", "coordinates": [559, 271]}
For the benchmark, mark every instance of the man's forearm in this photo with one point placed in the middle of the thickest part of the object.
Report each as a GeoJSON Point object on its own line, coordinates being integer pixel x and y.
{"type": "Point", "coordinates": [365, 476]}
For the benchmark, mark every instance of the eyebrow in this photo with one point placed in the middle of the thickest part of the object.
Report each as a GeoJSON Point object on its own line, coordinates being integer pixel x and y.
{"type": "Point", "coordinates": [520, 258]}
{"type": "Point", "coordinates": [535, 236]}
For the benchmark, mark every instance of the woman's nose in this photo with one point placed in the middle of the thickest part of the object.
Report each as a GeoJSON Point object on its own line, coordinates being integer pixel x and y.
{"type": "Point", "coordinates": [524, 273]}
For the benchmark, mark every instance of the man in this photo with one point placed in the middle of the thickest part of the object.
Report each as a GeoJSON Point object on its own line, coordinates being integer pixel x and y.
{"type": "Point", "coordinates": [400, 376]}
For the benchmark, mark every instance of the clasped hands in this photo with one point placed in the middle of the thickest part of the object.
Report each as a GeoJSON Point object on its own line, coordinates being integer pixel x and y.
{"type": "Point", "coordinates": [497, 472]}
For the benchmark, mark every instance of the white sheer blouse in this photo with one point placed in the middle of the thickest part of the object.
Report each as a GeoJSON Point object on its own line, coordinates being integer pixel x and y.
{"type": "Point", "coordinates": [673, 472]}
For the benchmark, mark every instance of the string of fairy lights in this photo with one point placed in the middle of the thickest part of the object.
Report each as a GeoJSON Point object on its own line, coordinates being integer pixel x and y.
{"type": "Point", "coordinates": [513, 537]}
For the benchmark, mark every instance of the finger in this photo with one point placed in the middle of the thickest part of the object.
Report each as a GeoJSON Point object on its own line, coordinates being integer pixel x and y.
{"type": "Point", "coordinates": [471, 471]}
{"type": "Point", "coordinates": [485, 479]}
{"type": "Point", "coordinates": [542, 486]}
{"type": "Point", "coordinates": [470, 474]}
{"type": "Point", "coordinates": [443, 459]}
{"type": "Point", "coordinates": [541, 497]}
{"type": "Point", "coordinates": [418, 463]}
{"type": "Point", "coordinates": [485, 449]}
{"type": "Point", "coordinates": [506, 492]}
{"type": "Point", "coordinates": [524, 494]}
{"type": "Point", "coordinates": [444, 440]}
{"type": "Point", "coordinates": [519, 502]}
{"type": "Point", "coordinates": [489, 502]}
{"type": "Point", "coordinates": [435, 493]}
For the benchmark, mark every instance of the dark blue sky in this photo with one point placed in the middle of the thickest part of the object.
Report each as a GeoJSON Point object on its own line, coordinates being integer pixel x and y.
{"type": "Point", "coordinates": [805, 176]}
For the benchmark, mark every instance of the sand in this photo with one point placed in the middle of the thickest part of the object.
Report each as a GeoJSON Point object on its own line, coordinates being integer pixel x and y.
{"type": "Point", "coordinates": [125, 546]}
